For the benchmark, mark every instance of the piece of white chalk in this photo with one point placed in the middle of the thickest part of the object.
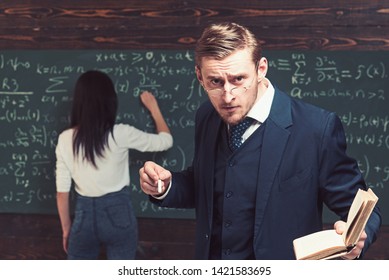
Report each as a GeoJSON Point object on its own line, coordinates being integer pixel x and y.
{"type": "Point", "coordinates": [159, 185]}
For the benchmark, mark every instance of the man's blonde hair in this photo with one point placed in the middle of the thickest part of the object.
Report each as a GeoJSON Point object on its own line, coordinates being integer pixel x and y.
{"type": "Point", "coordinates": [220, 40]}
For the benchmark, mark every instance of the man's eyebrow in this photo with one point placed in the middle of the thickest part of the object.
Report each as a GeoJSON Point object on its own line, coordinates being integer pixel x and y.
{"type": "Point", "coordinates": [212, 77]}
{"type": "Point", "coordinates": [228, 76]}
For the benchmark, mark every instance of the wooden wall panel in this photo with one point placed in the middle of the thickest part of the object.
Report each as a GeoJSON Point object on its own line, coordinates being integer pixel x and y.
{"type": "Point", "coordinates": [316, 25]}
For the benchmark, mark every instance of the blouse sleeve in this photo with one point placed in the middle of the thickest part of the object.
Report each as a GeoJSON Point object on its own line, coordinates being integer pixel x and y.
{"type": "Point", "coordinates": [63, 175]}
{"type": "Point", "coordinates": [129, 137]}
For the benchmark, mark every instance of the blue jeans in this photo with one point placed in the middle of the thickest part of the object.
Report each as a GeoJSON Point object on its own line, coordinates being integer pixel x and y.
{"type": "Point", "coordinates": [107, 221]}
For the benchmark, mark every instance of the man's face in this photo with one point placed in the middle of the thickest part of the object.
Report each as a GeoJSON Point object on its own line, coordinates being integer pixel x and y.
{"type": "Point", "coordinates": [231, 84]}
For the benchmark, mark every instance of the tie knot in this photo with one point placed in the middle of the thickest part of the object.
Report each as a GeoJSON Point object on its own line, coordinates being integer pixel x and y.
{"type": "Point", "coordinates": [237, 131]}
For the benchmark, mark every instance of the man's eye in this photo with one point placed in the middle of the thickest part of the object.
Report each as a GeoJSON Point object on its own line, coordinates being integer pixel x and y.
{"type": "Point", "coordinates": [239, 79]}
{"type": "Point", "coordinates": [216, 82]}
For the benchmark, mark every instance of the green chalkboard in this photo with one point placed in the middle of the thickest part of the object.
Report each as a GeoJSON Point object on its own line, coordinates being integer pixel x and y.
{"type": "Point", "coordinates": [36, 95]}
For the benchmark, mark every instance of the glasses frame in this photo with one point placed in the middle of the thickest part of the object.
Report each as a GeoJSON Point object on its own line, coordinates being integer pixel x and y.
{"type": "Point", "coordinates": [220, 91]}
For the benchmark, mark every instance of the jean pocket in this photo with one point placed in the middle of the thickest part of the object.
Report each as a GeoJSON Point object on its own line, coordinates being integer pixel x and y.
{"type": "Point", "coordinates": [119, 215]}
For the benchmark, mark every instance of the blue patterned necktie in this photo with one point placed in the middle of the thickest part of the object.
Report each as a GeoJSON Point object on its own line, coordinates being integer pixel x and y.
{"type": "Point", "coordinates": [237, 131]}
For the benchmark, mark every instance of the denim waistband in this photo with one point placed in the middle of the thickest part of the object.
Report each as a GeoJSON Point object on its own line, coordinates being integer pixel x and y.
{"type": "Point", "coordinates": [109, 198]}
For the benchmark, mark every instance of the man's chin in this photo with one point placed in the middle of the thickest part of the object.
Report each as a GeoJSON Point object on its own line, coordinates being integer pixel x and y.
{"type": "Point", "coordinates": [233, 120]}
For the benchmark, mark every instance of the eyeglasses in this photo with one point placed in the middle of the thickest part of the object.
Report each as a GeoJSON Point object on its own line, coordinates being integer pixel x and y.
{"type": "Point", "coordinates": [235, 91]}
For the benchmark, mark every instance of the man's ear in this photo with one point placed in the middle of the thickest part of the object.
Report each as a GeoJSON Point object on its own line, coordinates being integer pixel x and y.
{"type": "Point", "coordinates": [198, 74]}
{"type": "Point", "coordinates": [262, 68]}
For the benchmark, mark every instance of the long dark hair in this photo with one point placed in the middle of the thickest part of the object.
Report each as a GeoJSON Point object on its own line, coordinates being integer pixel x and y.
{"type": "Point", "coordinates": [93, 114]}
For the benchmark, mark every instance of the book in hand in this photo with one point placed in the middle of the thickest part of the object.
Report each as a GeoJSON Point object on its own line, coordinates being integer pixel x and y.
{"type": "Point", "coordinates": [327, 244]}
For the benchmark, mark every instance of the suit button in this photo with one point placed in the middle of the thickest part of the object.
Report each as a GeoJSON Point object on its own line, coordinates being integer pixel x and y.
{"type": "Point", "coordinates": [228, 194]}
{"type": "Point", "coordinates": [227, 224]}
{"type": "Point", "coordinates": [206, 236]}
{"type": "Point", "coordinates": [227, 252]}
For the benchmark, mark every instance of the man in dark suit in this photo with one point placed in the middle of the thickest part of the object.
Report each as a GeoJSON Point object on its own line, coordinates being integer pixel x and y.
{"type": "Point", "coordinates": [255, 193]}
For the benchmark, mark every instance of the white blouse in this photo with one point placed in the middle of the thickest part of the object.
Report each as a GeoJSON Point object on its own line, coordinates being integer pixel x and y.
{"type": "Point", "coordinates": [112, 172]}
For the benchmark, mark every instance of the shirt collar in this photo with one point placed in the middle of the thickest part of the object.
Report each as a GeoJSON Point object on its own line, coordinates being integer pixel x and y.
{"type": "Point", "coordinates": [261, 109]}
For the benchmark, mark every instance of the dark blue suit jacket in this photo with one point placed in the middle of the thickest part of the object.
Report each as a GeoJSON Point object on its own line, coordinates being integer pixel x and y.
{"type": "Point", "coordinates": [303, 165]}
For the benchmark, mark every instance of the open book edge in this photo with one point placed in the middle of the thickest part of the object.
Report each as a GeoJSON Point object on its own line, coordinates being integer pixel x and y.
{"type": "Point", "coordinates": [360, 210]}
{"type": "Point", "coordinates": [308, 247]}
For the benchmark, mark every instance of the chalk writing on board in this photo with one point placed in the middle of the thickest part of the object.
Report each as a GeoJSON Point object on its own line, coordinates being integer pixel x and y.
{"type": "Point", "coordinates": [36, 94]}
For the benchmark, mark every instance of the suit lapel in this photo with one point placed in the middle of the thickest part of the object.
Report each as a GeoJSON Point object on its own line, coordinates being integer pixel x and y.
{"type": "Point", "coordinates": [275, 139]}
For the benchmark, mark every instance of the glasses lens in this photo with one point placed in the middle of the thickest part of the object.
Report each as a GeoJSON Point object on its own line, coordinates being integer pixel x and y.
{"type": "Point", "coordinates": [215, 91]}
{"type": "Point", "coordinates": [238, 91]}
{"type": "Point", "coordinates": [235, 91]}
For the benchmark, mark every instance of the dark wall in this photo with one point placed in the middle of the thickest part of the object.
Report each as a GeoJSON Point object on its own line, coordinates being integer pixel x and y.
{"type": "Point", "coordinates": [172, 24]}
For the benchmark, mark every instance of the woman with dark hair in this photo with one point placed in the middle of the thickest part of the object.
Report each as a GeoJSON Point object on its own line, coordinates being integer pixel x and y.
{"type": "Point", "coordinates": [93, 153]}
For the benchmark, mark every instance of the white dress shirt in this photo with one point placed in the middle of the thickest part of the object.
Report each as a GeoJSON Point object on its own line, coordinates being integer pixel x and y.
{"type": "Point", "coordinates": [260, 110]}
